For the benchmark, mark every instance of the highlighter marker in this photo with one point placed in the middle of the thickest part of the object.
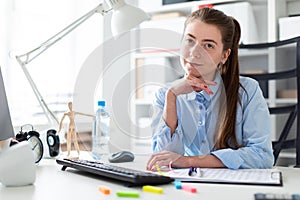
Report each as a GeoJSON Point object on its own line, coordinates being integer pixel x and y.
{"type": "Point", "coordinates": [153, 189]}
{"type": "Point", "coordinates": [130, 194]}
{"type": "Point", "coordinates": [104, 190]}
{"type": "Point", "coordinates": [177, 184]}
{"type": "Point", "coordinates": [189, 188]}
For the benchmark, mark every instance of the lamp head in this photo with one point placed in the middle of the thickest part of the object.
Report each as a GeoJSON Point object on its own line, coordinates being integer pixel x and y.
{"type": "Point", "coordinates": [125, 17]}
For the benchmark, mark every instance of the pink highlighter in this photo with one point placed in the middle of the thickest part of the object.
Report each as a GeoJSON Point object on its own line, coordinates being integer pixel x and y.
{"type": "Point", "coordinates": [189, 188]}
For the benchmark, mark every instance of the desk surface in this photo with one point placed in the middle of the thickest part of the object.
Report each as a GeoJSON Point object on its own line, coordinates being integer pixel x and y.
{"type": "Point", "coordinates": [52, 183]}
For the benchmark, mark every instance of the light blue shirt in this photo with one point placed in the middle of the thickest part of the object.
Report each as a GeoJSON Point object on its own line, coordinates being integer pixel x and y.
{"type": "Point", "coordinates": [196, 136]}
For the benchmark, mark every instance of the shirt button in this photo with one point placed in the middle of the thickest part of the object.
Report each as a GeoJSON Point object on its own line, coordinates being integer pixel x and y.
{"type": "Point", "coordinates": [201, 107]}
{"type": "Point", "coordinates": [203, 141]}
{"type": "Point", "coordinates": [200, 123]}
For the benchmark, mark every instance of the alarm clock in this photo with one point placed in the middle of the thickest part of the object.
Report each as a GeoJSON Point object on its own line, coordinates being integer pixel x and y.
{"type": "Point", "coordinates": [34, 141]}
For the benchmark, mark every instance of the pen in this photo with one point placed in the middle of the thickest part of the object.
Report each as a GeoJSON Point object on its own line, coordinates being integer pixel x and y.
{"type": "Point", "coordinates": [158, 170]}
{"type": "Point", "coordinates": [191, 171]}
{"type": "Point", "coordinates": [198, 171]}
{"type": "Point", "coordinates": [195, 171]}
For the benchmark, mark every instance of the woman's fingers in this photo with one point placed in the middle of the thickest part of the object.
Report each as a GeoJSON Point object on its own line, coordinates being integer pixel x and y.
{"type": "Point", "coordinates": [160, 165]}
{"type": "Point", "coordinates": [151, 160]}
{"type": "Point", "coordinates": [208, 82]}
{"type": "Point", "coordinates": [198, 84]}
{"type": "Point", "coordinates": [155, 158]}
{"type": "Point", "coordinates": [161, 159]}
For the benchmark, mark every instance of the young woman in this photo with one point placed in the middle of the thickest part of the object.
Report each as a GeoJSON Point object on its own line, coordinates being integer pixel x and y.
{"type": "Point", "coordinates": [212, 117]}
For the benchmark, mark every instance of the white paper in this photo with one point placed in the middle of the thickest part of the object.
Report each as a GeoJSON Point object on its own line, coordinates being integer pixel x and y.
{"type": "Point", "coordinates": [247, 176]}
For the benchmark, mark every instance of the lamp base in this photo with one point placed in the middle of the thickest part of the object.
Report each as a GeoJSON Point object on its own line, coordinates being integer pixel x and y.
{"type": "Point", "coordinates": [17, 165]}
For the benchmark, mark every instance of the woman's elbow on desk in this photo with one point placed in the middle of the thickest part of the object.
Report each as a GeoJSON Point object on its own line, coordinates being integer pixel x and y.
{"type": "Point", "coordinates": [262, 160]}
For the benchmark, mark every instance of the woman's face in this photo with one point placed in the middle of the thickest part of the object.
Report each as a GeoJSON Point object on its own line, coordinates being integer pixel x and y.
{"type": "Point", "coordinates": [202, 49]}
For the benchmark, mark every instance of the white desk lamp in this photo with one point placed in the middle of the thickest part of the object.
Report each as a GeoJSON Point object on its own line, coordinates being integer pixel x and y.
{"type": "Point", "coordinates": [124, 18]}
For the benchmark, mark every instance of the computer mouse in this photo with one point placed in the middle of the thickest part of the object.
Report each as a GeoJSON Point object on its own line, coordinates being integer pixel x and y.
{"type": "Point", "coordinates": [121, 156]}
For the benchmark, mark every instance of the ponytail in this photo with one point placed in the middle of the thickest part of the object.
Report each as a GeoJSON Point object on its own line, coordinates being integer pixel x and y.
{"type": "Point", "coordinates": [230, 75]}
{"type": "Point", "coordinates": [230, 32]}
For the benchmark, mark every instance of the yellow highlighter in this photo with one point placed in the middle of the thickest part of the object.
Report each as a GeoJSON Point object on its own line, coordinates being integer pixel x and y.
{"type": "Point", "coordinates": [153, 189]}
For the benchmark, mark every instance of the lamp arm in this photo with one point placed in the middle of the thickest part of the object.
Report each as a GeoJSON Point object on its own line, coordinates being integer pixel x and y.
{"type": "Point", "coordinates": [31, 55]}
{"type": "Point", "coordinates": [37, 94]}
{"type": "Point", "coordinates": [26, 58]}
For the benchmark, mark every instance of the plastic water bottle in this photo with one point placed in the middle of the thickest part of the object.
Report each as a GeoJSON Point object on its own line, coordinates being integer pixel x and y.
{"type": "Point", "coordinates": [101, 132]}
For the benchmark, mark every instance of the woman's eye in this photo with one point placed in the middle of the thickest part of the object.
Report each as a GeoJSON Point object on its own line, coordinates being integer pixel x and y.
{"type": "Point", "coordinates": [208, 46]}
{"type": "Point", "coordinates": [189, 41]}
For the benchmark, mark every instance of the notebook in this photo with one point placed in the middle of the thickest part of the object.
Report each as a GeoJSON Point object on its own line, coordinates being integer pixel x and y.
{"type": "Point", "coordinates": [270, 177]}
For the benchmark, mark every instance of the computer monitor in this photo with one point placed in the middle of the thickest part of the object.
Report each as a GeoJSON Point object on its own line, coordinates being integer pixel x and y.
{"type": "Point", "coordinates": [14, 156]}
{"type": "Point", "coordinates": [6, 128]}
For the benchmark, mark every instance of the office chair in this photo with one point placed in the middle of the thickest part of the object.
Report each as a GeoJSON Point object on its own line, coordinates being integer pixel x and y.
{"type": "Point", "coordinates": [291, 110]}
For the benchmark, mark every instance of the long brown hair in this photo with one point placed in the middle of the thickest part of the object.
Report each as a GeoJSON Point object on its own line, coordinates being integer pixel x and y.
{"type": "Point", "coordinates": [230, 31]}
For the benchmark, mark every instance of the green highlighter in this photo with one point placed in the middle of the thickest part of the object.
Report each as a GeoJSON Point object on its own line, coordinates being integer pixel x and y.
{"type": "Point", "coordinates": [130, 194]}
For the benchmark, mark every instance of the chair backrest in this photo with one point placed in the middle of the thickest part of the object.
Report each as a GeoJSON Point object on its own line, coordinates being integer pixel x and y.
{"type": "Point", "coordinates": [292, 109]}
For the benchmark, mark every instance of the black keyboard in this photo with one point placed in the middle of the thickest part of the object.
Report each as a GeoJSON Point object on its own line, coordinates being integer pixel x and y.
{"type": "Point", "coordinates": [126, 175]}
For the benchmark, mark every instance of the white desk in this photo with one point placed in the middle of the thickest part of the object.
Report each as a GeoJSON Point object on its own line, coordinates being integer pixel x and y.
{"type": "Point", "coordinates": [52, 183]}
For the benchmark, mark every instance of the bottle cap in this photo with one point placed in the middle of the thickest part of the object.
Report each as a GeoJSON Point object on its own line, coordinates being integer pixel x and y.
{"type": "Point", "coordinates": [101, 103]}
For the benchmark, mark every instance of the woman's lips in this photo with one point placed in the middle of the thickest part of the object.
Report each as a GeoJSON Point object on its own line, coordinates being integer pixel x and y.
{"type": "Point", "coordinates": [195, 64]}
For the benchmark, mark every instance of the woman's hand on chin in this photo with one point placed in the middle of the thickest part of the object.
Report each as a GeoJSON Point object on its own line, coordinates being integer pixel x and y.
{"type": "Point", "coordinates": [192, 83]}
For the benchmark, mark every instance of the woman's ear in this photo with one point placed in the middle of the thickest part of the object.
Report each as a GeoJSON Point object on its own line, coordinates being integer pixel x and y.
{"type": "Point", "coordinates": [225, 55]}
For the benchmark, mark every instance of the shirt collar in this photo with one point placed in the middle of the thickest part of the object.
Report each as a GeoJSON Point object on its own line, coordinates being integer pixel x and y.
{"type": "Point", "coordinates": [192, 96]}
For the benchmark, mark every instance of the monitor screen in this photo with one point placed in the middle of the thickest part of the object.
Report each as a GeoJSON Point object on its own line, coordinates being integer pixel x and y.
{"type": "Point", "coordinates": [6, 128]}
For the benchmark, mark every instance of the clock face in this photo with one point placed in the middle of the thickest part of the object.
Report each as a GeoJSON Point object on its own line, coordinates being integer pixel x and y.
{"type": "Point", "coordinates": [37, 148]}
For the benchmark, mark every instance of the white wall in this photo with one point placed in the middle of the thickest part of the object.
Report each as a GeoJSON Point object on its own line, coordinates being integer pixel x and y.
{"type": "Point", "coordinates": [24, 26]}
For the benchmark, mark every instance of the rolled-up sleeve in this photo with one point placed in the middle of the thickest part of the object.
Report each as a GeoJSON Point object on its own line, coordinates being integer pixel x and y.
{"type": "Point", "coordinates": [253, 133]}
